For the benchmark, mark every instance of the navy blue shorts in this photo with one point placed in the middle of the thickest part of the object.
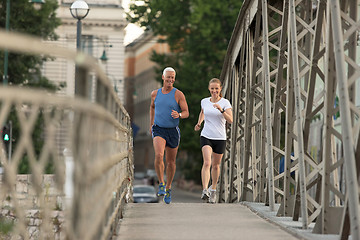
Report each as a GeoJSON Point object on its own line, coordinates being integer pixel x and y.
{"type": "Point", "coordinates": [218, 146]}
{"type": "Point", "coordinates": [171, 135]}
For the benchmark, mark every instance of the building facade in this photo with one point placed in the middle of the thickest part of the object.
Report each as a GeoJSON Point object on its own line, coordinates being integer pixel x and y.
{"type": "Point", "coordinates": [102, 37]}
{"type": "Point", "coordinates": [140, 78]}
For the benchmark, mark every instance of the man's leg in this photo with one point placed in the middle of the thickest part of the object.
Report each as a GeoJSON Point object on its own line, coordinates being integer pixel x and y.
{"type": "Point", "coordinates": [170, 165]}
{"type": "Point", "coordinates": [159, 148]}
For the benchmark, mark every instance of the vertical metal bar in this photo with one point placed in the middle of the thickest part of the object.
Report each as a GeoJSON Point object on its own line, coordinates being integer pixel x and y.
{"type": "Point", "coordinates": [234, 135]}
{"type": "Point", "coordinates": [302, 177]}
{"type": "Point", "coordinates": [6, 52]}
{"type": "Point", "coordinates": [78, 35]}
{"type": "Point", "coordinates": [81, 82]}
{"type": "Point", "coordinates": [11, 138]}
{"type": "Point", "coordinates": [280, 82]}
{"type": "Point", "coordinates": [289, 140]}
{"type": "Point", "coordinates": [250, 79]}
{"type": "Point", "coordinates": [266, 73]}
{"type": "Point", "coordinates": [316, 55]}
{"type": "Point", "coordinates": [224, 176]}
{"type": "Point", "coordinates": [353, 41]}
{"type": "Point", "coordinates": [348, 146]}
{"type": "Point", "coordinates": [231, 163]}
{"type": "Point", "coordinates": [330, 88]}
{"type": "Point", "coordinates": [313, 70]}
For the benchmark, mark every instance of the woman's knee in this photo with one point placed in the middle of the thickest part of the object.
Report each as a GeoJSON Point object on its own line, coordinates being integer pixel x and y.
{"type": "Point", "coordinates": [206, 164]}
{"type": "Point", "coordinates": [215, 166]}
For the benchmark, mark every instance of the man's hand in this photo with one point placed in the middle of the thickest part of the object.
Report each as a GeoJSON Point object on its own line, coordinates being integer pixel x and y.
{"type": "Point", "coordinates": [175, 114]}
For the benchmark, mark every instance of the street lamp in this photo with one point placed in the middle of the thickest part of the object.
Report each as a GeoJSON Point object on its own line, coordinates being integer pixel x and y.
{"type": "Point", "coordinates": [37, 5]}
{"type": "Point", "coordinates": [103, 57]}
{"type": "Point", "coordinates": [79, 10]}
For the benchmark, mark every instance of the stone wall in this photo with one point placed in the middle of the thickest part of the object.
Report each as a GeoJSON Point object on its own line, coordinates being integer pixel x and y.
{"type": "Point", "coordinates": [28, 200]}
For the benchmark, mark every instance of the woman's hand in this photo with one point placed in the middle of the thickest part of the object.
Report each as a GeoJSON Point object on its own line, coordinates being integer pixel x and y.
{"type": "Point", "coordinates": [197, 127]}
{"type": "Point", "coordinates": [217, 106]}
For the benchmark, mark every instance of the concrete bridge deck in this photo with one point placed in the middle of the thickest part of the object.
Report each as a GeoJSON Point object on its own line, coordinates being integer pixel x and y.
{"type": "Point", "coordinates": [197, 221]}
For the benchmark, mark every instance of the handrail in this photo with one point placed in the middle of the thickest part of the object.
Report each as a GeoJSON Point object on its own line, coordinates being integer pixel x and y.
{"type": "Point", "coordinates": [88, 143]}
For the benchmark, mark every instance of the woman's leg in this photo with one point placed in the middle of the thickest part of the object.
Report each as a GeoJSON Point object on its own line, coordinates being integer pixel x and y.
{"type": "Point", "coordinates": [205, 171]}
{"type": "Point", "coordinates": [215, 169]}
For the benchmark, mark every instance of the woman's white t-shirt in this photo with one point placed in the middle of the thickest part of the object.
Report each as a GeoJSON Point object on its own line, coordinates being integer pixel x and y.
{"type": "Point", "coordinates": [214, 126]}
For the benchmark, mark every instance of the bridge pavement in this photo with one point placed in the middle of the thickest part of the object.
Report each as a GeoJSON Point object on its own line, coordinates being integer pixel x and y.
{"type": "Point", "coordinates": [185, 221]}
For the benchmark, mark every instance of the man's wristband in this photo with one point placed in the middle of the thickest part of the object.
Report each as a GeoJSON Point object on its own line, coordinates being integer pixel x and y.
{"type": "Point", "coordinates": [222, 111]}
{"type": "Point", "coordinates": [179, 115]}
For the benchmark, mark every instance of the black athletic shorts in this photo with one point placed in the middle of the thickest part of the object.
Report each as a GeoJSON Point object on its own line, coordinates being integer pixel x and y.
{"type": "Point", "coordinates": [218, 146]}
{"type": "Point", "coordinates": [171, 135]}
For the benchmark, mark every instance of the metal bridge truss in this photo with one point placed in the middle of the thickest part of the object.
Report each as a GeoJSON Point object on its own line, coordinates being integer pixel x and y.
{"type": "Point", "coordinates": [91, 181]}
{"type": "Point", "coordinates": [291, 72]}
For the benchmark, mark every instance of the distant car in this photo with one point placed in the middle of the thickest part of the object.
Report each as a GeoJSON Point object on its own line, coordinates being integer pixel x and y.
{"type": "Point", "coordinates": [139, 175]}
{"type": "Point", "coordinates": [151, 173]}
{"type": "Point", "coordinates": [151, 176]}
{"type": "Point", "coordinates": [144, 194]}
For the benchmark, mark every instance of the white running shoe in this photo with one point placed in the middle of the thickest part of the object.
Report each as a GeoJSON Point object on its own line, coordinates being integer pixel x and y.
{"type": "Point", "coordinates": [212, 195]}
{"type": "Point", "coordinates": [205, 195]}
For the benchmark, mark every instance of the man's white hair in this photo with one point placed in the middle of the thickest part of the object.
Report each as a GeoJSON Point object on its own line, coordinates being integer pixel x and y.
{"type": "Point", "coordinates": [168, 69]}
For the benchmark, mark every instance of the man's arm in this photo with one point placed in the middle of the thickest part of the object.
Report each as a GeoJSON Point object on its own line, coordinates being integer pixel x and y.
{"type": "Point", "coordinates": [152, 109]}
{"type": "Point", "coordinates": [183, 104]}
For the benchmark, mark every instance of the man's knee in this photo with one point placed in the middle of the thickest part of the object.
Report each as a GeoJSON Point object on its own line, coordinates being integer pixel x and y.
{"type": "Point", "coordinates": [159, 156]}
{"type": "Point", "coordinates": [171, 163]}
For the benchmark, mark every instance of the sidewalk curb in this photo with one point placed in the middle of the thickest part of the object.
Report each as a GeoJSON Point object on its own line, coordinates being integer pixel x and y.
{"type": "Point", "coordinates": [286, 223]}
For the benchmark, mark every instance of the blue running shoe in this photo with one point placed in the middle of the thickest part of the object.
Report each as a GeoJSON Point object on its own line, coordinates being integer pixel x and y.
{"type": "Point", "coordinates": [167, 197]}
{"type": "Point", "coordinates": [161, 191]}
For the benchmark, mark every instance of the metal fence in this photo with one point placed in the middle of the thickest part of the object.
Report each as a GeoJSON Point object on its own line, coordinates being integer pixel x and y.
{"type": "Point", "coordinates": [292, 75]}
{"type": "Point", "coordinates": [86, 142]}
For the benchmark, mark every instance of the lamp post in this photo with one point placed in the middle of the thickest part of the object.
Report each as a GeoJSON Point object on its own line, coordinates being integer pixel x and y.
{"type": "Point", "coordinates": [79, 10]}
{"type": "Point", "coordinates": [6, 53]}
{"type": "Point", "coordinates": [37, 5]}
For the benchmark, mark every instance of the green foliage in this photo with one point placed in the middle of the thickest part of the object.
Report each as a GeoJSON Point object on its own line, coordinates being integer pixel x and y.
{"type": "Point", "coordinates": [198, 32]}
{"type": "Point", "coordinates": [24, 18]}
{"type": "Point", "coordinates": [37, 137]}
{"type": "Point", "coordinates": [24, 69]}
{"type": "Point", "coordinates": [6, 227]}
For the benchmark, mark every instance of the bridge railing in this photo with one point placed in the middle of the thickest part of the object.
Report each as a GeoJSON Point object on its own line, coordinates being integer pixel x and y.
{"type": "Point", "coordinates": [78, 151]}
{"type": "Point", "coordinates": [292, 75]}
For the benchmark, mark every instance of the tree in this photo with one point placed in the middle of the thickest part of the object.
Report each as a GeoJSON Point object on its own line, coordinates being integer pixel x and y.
{"type": "Point", "coordinates": [24, 69]}
{"type": "Point", "coordinates": [198, 32]}
{"type": "Point", "coordinates": [24, 18]}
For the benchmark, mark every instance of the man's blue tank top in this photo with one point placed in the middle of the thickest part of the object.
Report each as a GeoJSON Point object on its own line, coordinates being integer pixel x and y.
{"type": "Point", "coordinates": [164, 104]}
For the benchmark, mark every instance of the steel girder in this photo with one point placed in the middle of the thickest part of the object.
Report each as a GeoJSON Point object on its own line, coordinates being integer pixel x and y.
{"type": "Point", "coordinates": [291, 73]}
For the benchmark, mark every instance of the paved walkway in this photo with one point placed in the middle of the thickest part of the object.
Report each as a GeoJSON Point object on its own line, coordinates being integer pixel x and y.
{"type": "Point", "coordinates": [185, 221]}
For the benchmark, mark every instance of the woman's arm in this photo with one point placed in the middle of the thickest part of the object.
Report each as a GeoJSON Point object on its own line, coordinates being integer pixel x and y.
{"type": "Point", "coordinates": [200, 120]}
{"type": "Point", "coordinates": [228, 115]}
